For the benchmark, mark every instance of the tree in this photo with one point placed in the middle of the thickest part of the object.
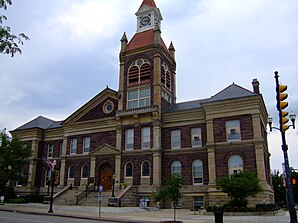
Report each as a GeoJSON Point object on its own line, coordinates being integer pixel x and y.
{"type": "Point", "coordinates": [280, 194]}
{"type": "Point", "coordinates": [13, 156]}
{"type": "Point", "coordinates": [8, 41]}
{"type": "Point", "coordinates": [170, 191]}
{"type": "Point", "coordinates": [239, 187]}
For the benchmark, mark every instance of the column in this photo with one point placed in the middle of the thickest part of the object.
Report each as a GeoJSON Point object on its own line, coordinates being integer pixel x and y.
{"type": "Point", "coordinates": [211, 153]}
{"type": "Point", "coordinates": [63, 162]}
{"type": "Point", "coordinates": [259, 148]}
{"type": "Point", "coordinates": [32, 165]}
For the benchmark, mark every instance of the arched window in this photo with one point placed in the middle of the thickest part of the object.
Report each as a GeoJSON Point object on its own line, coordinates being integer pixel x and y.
{"type": "Point", "coordinates": [85, 171]}
{"type": "Point", "coordinates": [166, 78]}
{"type": "Point", "coordinates": [71, 171]}
{"type": "Point", "coordinates": [145, 169]}
{"type": "Point", "coordinates": [235, 164]}
{"type": "Point", "coordinates": [197, 172]}
{"type": "Point", "coordinates": [139, 72]}
{"type": "Point", "coordinates": [128, 169]}
{"type": "Point", "coordinates": [176, 168]}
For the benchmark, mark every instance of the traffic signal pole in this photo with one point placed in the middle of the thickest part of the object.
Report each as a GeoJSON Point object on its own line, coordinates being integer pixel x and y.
{"type": "Point", "coordinates": [282, 129]}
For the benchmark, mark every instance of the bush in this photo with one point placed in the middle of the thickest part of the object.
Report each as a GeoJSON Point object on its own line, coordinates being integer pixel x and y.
{"type": "Point", "coordinates": [34, 198]}
{"type": "Point", "coordinates": [267, 207]}
{"type": "Point", "coordinates": [18, 200]}
{"type": "Point", "coordinates": [229, 208]}
{"type": "Point", "coordinates": [9, 194]}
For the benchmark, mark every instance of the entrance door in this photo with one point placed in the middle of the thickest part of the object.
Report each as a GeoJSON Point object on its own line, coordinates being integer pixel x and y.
{"type": "Point", "coordinates": [106, 176]}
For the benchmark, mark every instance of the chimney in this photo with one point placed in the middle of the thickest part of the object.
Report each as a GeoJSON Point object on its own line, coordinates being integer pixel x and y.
{"type": "Point", "coordinates": [256, 86]}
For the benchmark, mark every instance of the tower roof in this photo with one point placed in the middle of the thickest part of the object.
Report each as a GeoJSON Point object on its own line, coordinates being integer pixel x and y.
{"type": "Point", "coordinates": [150, 3]}
{"type": "Point", "coordinates": [142, 39]}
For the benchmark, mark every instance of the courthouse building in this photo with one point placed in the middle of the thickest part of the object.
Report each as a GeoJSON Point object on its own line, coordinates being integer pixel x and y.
{"type": "Point", "coordinates": [138, 134]}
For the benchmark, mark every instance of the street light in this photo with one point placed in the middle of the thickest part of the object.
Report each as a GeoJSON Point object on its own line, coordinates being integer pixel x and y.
{"type": "Point", "coordinates": [52, 185]}
{"type": "Point", "coordinates": [113, 188]}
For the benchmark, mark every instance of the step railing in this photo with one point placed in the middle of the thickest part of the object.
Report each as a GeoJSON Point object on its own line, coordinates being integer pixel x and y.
{"type": "Point", "coordinates": [65, 189]}
{"type": "Point", "coordinates": [84, 193]}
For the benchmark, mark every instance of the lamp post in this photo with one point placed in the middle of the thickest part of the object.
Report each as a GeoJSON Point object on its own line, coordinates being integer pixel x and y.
{"type": "Point", "coordinates": [280, 97]}
{"type": "Point", "coordinates": [113, 188]}
{"type": "Point", "coordinates": [52, 187]}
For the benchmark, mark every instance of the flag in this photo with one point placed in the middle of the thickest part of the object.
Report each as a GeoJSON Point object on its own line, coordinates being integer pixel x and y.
{"type": "Point", "coordinates": [48, 163]}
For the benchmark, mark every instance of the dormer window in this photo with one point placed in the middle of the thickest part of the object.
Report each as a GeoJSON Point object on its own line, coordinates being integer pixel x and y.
{"type": "Point", "coordinates": [139, 72]}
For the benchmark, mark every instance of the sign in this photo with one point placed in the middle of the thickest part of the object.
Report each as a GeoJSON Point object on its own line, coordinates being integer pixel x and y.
{"type": "Point", "coordinates": [100, 188]}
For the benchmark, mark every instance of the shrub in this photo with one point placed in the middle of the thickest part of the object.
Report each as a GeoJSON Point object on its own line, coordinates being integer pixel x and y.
{"type": "Point", "coordinates": [18, 200]}
{"type": "Point", "coordinates": [9, 193]}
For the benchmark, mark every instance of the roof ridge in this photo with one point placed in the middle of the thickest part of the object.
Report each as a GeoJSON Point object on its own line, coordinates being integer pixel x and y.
{"type": "Point", "coordinates": [150, 3]}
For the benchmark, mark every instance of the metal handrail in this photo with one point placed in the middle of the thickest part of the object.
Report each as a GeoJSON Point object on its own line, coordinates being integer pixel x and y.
{"type": "Point", "coordinates": [84, 193]}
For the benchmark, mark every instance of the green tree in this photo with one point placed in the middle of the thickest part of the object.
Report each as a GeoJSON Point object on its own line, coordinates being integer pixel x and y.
{"type": "Point", "coordinates": [239, 187]}
{"type": "Point", "coordinates": [9, 41]}
{"type": "Point", "coordinates": [13, 156]}
{"type": "Point", "coordinates": [170, 191]}
{"type": "Point", "coordinates": [280, 194]}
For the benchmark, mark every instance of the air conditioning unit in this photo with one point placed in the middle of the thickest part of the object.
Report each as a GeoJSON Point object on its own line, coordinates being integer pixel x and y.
{"type": "Point", "coordinates": [233, 131]}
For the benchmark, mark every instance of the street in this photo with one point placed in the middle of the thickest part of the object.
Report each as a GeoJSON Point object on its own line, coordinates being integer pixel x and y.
{"type": "Point", "coordinates": [14, 217]}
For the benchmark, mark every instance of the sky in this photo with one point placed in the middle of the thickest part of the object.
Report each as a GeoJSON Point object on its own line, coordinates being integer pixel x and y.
{"type": "Point", "coordinates": [73, 54]}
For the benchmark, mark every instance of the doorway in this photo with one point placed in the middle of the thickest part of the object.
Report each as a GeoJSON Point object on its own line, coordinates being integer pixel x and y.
{"type": "Point", "coordinates": [106, 176]}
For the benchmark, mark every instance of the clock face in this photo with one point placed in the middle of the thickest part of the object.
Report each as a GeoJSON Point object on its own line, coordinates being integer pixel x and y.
{"type": "Point", "coordinates": [145, 21]}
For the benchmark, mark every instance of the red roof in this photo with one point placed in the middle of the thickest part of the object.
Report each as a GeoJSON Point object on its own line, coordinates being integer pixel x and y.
{"type": "Point", "coordinates": [149, 3]}
{"type": "Point", "coordinates": [142, 39]}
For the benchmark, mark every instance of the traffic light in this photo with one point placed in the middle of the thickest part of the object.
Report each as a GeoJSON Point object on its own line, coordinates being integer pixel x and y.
{"type": "Point", "coordinates": [281, 105]}
{"type": "Point", "coordinates": [294, 181]}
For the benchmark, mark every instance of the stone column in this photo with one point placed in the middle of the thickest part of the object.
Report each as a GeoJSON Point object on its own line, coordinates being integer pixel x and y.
{"type": "Point", "coordinates": [63, 162]}
{"type": "Point", "coordinates": [92, 168]}
{"type": "Point", "coordinates": [156, 168]}
{"type": "Point", "coordinates": [117, 170]}
{"type": "Point", "coordinates": [211, 153]}
{"type": "Point", "coordinates": [259, 148]}
{"type": "Point", "coordinates": [32, 165]}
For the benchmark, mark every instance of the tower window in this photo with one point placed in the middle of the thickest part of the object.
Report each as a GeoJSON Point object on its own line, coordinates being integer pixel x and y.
{"type": "Point", "coordinates": [166, 76]}
{"type": "Point", "coordinates": [138, 98]}
{"type": "Point", "coordinates": [139, 72]}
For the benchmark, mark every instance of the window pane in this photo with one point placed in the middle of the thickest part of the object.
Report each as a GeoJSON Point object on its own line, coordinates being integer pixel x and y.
{"type": "Point", "coordinates": [128, 170]}
{"type": "Point", "coordinates": [146, 137]}
{"type": "Point", "coordinates": [145, 169]}
{"type": "Point", "coordinates": [176, 168]}
{"type": "Point", "coordinates": [132, 95]}
{"type": "Point", "coordinates": [71, 172]}
{"type": "Point", "coordinates": [196, 137]}
{"type": "Point", "coordinates": [145, 93]}
{"type": "Point", "coordinates": [233, 130]}
{"type": "Point", "coordinates": [85, 171]}
{"type": "Point", "coordinates": [129, 138]}
{"type": "Point", "coordinates": [86, 144]}
{"type": "Point", "coordinates": [235, 164]}
{"type": "Point", "coordinates": [175, 139]}
{"type": "Point", "coordinates": [73, 146]}
{"type": "Point", "coordinates": [50, 150]}
{"type": "Point", "coordinates": [197, 168]}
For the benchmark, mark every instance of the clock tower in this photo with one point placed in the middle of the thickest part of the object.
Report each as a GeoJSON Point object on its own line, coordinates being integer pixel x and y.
{"type": "Point", "coordinates": [148, 16]}
{"type": "Point", "coordinates": [147, 86]}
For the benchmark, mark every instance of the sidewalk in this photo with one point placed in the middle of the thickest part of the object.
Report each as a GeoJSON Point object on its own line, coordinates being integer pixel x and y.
{"type": "Point", "coordinates": [134, 214]}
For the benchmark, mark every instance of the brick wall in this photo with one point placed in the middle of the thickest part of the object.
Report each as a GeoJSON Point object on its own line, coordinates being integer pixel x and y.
{"type": "Point", "coordinates": [246, 128]}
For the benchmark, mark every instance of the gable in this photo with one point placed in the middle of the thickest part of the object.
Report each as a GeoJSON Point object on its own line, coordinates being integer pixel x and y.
{"type": "Point", "coordinates": [96, 108]}
{"type": "Point", "coordinates": [105, 149]}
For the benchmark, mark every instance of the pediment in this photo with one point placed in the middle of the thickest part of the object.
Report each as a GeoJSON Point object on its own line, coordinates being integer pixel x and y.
{"type": "Point", "coordinates": [93, 109]}
{"type": "Point", "coordinates": [105, 149]}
